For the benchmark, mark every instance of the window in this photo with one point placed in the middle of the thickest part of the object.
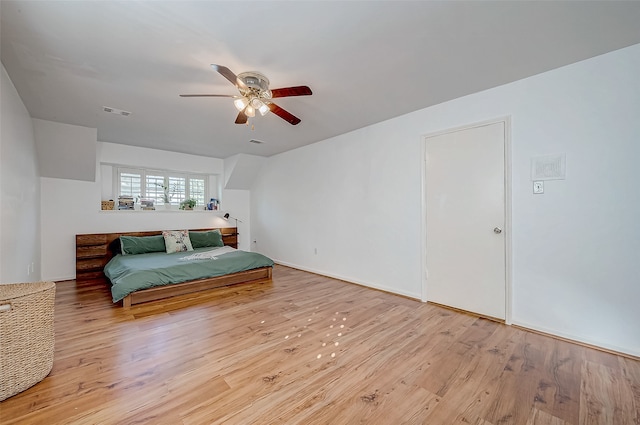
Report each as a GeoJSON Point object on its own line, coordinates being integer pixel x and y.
{"type": "Point", "coordinates": [130, 183]}
{"type": "Point", "coordinates": [162, 187]}
{"type": "Point", "coordinates": [198, 189]}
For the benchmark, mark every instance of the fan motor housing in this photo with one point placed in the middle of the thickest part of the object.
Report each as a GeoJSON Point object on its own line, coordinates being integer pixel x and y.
{"type": "Point", "coordinates": [255, 80]}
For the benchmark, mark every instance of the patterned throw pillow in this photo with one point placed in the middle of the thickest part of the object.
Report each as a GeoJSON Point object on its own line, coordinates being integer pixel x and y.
{"type": "Point", "coordinates": [177, 241]}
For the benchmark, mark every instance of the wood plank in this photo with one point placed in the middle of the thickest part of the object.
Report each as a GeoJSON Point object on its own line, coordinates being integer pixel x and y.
{"type": "Point", "coordinates": [90, 264]}
{"type": "Point", "coordinates": [558, 391]}
{"type": "Point", "coordinates": [91, 275]}
{"type": "Point", "coordinates": [605, 397]}
{"type": "Point", "coordinates": [630, 371]}
{"type": "Point", "coordinates": [91, 239]}
{"type": "Point", "coordinates": [91, 251]}
{"type": "Point", "coordinates": [474, 373]}
{"type": "Point", "coordinates": [538, 417]}
{"type": "Point", "coordinates": [521, 379]}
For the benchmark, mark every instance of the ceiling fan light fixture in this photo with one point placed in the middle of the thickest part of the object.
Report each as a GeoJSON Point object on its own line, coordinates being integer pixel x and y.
{"type": "Point", "coordinates": [254, 91]}
{"type": "Point", "coordinates": [259, 105]}
{"type": "Point", "coordinates": [263, 109]}
{"type": "Point", "coordinates": [241, 103]}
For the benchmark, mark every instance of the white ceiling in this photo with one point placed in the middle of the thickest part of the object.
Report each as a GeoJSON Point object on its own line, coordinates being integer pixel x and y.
{"type": "Point", "coordinates": [366, 61]}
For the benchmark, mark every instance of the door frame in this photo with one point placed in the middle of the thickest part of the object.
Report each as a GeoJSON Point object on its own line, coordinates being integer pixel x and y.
{"type": "Point", "coordinates": [507, 207]}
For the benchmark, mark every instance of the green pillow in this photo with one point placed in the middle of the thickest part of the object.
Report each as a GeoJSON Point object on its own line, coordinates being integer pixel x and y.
{"type": "Point", "coordinates": [141, 244]}
{"type": "Point", "coordinates": [211, 238]}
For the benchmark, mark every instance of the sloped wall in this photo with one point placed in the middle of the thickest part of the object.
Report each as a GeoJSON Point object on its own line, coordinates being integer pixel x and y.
{"type": "Point", "coordinates": [66, 151]}
{"type": "Point", "coordinates": [241, 170]}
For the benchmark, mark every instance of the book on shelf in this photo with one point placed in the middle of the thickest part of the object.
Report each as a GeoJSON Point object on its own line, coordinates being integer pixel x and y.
{"type": "Point", "coordinates": [125, 202]}
{"type": "Point", "coordinates": [147, 203]}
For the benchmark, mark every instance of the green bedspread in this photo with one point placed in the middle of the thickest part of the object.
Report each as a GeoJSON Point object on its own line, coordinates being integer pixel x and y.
{"type": "Point", "coordinates": [129, 273]}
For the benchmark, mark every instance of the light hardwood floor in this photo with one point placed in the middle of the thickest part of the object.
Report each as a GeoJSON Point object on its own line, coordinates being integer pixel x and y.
{"type": "Point", "coordinates": [306, 349]}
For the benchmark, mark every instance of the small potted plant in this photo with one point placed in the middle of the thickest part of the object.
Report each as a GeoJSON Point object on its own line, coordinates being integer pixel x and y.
{"type": "Point", "coordinates": [188, 204]}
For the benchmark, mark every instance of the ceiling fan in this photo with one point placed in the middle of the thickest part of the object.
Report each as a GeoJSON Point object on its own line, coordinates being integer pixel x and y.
{"type": "Point", "coordinates": [255, 95]}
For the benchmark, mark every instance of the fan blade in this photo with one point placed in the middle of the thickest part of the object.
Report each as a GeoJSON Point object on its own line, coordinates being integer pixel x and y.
{"type": "Point", "coordinates": [241, 118]}
{"type": "Point", "coordinates": [291, 91]}
{"type": "Point", "coordinates": [229, 75]}
{"type": "Point", "coordinates": [207, 95]}
{"type": "Point", "coordinates": [288, 117]}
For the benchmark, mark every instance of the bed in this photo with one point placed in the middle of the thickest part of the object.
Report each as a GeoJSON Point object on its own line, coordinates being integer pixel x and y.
{"type": "Point", "coordinates": [95, 251]}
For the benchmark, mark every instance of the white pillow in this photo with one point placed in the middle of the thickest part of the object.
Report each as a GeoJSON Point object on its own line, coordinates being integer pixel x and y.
{"type": "Point", "coordinates": [177, 241]}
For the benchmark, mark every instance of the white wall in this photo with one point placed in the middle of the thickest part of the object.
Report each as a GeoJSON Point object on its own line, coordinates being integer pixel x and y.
{"type": "Point", "coordinates": [71, 207]}
{"type": "Point", "coordinates": [356, 199]}
{"type": "Point", "coordinates": [19, 190]}
{"type": "Point", "coordinates": [236, 203]}
{"type": "Point", "coordinates": [54, 142]}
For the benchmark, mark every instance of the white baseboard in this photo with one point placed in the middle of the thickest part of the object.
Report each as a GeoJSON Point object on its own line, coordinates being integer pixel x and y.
{"type": "Point", "coordinates": [58, 279]}
{"type": "Point", "coordinates": [578, 339]}
{"type": "Point", "coordinates": [350, 280]}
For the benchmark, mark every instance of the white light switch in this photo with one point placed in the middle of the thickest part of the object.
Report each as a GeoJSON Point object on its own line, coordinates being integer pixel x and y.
{"type": "Point", "coordinates": [538, 187]}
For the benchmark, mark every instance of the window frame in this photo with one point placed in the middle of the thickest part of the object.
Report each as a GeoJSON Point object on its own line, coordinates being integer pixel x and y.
{"type": "Point", "coordinates": [167, 176]}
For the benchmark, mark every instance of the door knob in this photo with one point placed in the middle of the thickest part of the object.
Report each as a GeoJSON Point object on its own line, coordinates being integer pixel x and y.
{"type": "Point", "coordinates": [497, 230]}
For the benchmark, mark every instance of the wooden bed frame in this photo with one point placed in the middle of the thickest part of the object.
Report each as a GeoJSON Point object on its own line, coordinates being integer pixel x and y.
{"type": "Point", "coordinates": [93, 252]}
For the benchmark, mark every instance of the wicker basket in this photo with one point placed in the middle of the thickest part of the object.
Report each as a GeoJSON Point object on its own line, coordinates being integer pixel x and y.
{"type": "Point", "coordinates": [107, 205]}
{"type": "Point", "coordinates": [26, 335]}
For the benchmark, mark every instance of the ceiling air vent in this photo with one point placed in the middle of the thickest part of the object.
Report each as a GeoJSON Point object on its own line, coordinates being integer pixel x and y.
{"type": "Point", "coordinates": [116, 111]}
{"type": "Point", "coordinates": [257, 142]}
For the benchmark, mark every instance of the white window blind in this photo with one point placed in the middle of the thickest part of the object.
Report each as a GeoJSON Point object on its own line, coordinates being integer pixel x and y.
{"type": "Point", "coordinates": [154, 188]}
{"type": "Point", "coordinates": [197, 189]}
{"type": "Point", "coordinates": [130, 183]}
{"type": "Point", "coordinates": [178, 189]}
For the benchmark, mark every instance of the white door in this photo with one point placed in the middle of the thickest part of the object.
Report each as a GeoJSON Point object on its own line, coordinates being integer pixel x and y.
{"type": "Point", "coordinates": [465, 218]}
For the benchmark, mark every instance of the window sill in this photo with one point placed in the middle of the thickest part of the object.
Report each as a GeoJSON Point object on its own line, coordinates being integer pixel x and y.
{"type": "Point", "coordinates": [163, 210]}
